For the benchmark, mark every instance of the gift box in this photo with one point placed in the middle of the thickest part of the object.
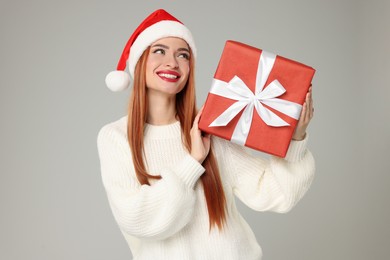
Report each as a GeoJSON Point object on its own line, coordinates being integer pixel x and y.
{"type": "Point", "coordinates": [256, 98]}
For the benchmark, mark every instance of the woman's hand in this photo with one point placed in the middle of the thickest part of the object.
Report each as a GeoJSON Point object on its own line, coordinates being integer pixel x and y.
{"type": "Point", "coordinates": [200, 145]}
{"type": "Point", "coordinates": [306, 116]}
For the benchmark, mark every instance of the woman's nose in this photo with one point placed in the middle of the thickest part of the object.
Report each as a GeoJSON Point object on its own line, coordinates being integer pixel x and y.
{"type": "Point", "coordinates": [171, 61]}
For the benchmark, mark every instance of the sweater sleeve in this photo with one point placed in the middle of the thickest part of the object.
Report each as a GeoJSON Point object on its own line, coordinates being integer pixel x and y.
{"type": "Point", "coordinates": [151, 212]}
{"type": "Point", "coordinates": [276, 184]}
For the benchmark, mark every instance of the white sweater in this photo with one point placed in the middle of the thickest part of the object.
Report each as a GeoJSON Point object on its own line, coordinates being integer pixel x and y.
{"type": "Point", "coordinates": [169, 218]}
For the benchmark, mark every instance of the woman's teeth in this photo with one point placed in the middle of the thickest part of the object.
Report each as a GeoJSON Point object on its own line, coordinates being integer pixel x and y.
{"type": "Point", "coordinates": [169, 76]}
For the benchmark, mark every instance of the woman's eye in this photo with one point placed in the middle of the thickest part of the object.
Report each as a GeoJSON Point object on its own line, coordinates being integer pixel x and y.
{"type": "Point", "coordinates": [159, 51]}
{"type": "Point", "coordinates": [184, 55]}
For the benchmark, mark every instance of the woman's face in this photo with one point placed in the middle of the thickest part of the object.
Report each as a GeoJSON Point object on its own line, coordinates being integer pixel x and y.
{"type": "Point", "coordinates": [168, 65]}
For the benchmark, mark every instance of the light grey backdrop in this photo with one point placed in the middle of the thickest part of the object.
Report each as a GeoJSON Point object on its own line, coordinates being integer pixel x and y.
{"type": "Point", "coordinates": [54, 56]}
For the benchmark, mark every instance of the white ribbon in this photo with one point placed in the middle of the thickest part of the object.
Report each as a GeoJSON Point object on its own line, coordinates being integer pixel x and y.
{"type": "Point", "coordinates": [237, 90]}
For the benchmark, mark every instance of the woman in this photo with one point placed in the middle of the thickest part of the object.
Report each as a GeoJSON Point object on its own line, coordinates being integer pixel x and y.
{"type": "Point", "coordinates": [171, 189]}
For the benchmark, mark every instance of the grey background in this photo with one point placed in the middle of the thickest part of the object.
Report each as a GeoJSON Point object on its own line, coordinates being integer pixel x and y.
{"type": "Point", "coordinates": [56, 54]}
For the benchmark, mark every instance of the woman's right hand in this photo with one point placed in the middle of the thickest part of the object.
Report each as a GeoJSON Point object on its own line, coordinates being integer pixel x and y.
{"type": "Point", "coordinates": [200, 145]}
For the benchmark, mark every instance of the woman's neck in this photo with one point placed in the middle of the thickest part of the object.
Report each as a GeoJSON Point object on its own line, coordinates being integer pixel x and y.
{"type": "Point", "coordinates": [161, 109]}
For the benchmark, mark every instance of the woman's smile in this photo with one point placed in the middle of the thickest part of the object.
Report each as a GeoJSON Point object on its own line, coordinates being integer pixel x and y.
{"type": "Point", "coordinates": [169, 75]}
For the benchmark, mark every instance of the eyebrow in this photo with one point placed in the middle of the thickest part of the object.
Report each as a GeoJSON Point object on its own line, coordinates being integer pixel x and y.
{"type": "Point", "coordinates": [166, 47]}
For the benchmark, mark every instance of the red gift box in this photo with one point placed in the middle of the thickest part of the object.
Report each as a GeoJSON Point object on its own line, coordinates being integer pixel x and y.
{"type": "Point", "coordinates": [256, 98]}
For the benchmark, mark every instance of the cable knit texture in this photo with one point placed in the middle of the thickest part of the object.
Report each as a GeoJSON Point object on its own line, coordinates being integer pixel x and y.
{"type": "Point", "coordinates": [169, 218]}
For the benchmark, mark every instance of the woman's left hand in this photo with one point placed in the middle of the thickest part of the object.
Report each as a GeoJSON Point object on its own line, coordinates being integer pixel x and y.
{"type": "Point", "coordinates": [306, 116]}
{"type": "Point", "coordinates": [200, 145]}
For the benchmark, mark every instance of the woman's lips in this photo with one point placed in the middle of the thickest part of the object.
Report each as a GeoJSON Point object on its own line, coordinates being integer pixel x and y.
{"type": "Point", "coordinates": [170, 76]}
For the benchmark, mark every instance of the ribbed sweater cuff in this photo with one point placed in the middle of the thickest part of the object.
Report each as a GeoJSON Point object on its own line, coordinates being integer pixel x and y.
{"type": "Point", "coordinates": [189, 170]}
{"type": "Point", "coordinates": [297, 150]}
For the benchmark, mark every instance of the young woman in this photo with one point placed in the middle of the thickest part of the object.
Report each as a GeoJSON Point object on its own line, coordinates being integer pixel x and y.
{"type": "Point", "coordinates": [171, 188]}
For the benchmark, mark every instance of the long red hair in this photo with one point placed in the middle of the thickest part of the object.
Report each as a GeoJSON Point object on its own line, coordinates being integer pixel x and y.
{"type": "Point", "coordinates": [186, 111]}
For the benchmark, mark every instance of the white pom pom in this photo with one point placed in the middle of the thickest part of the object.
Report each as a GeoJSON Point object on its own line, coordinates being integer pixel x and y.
{"type": "Point", "coordinates": [117, 80]}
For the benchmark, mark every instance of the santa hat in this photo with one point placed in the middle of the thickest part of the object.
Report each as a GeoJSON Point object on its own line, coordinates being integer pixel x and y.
{"type": "Point", "coordinates": [159, 24]}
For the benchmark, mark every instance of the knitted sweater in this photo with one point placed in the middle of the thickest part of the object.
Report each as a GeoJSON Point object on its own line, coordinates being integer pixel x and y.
{"type": "Point", "coordinates": [169, 218]}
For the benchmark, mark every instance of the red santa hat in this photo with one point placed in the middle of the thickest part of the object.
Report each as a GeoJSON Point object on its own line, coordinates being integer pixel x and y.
{"type": "Point", "coordinates": [159, 24]}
